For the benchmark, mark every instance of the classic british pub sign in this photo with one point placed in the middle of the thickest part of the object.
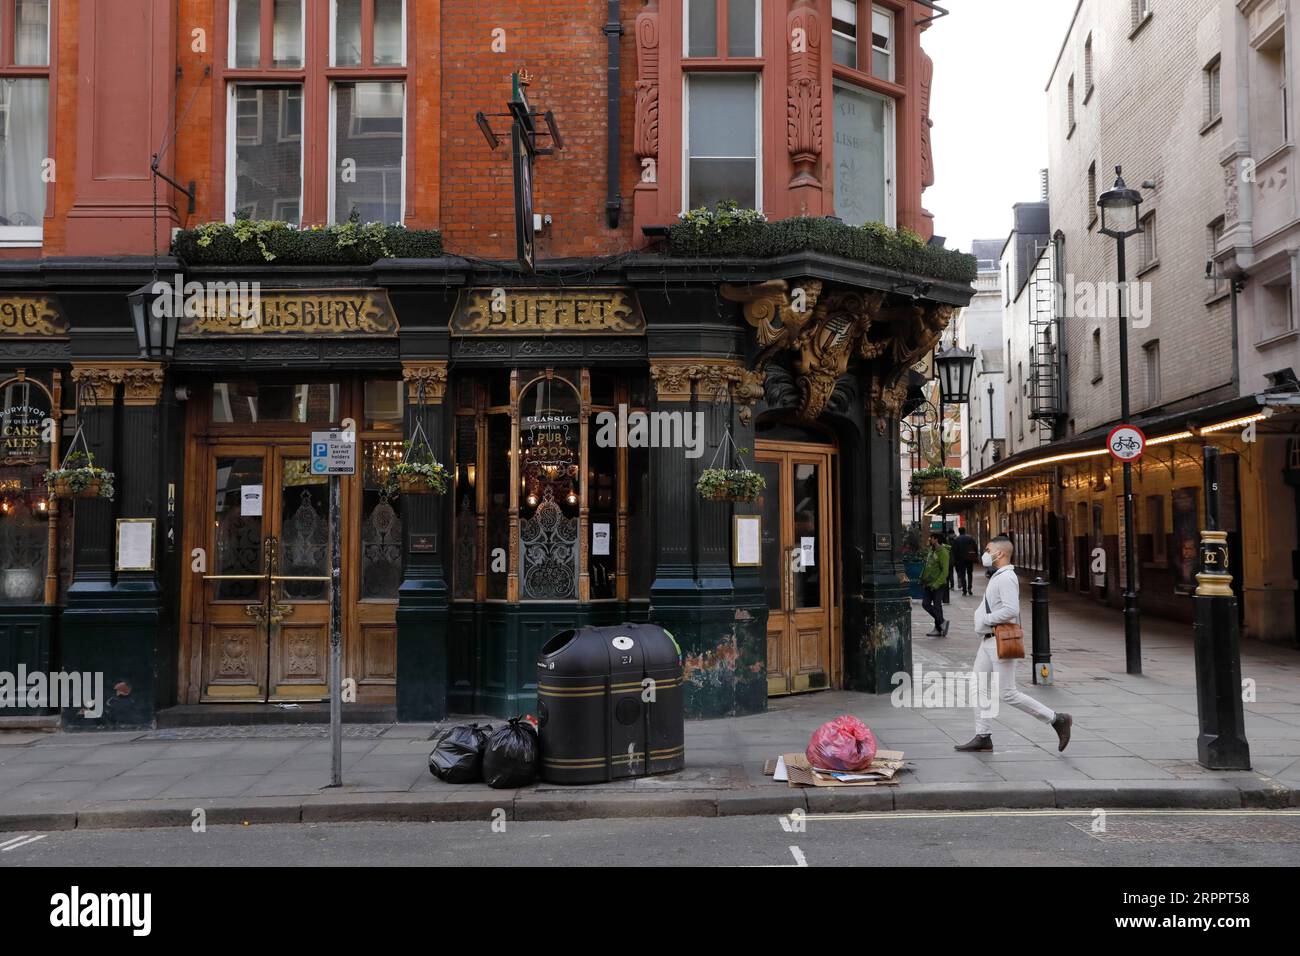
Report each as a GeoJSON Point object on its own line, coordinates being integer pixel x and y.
{"type": "Point", "coordinates": [255, 311]}
{"type": "Point", "coordinates": [31, 315]}
{"type": "Point", "coordinates": [533, 312]}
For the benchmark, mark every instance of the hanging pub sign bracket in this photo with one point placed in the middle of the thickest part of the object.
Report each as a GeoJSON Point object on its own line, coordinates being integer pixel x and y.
{"type": "Point", "coordinates": [525, 147]}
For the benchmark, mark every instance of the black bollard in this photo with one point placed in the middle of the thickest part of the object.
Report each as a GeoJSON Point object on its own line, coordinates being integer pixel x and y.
{"type": "Point", "coordinates": [1222, 742]}
{"type": "Point", "coordinates": [1042, 632]}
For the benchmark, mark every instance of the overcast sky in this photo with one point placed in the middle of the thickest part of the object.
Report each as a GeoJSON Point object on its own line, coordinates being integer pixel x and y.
{"type": "Point", "coordinates": [992, 59]}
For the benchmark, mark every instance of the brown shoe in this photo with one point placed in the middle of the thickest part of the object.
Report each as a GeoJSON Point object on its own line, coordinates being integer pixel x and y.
{"type": "Point", "coordinates": [1062, 725]}
{"type": "Point", "coordinates": [980, 743]}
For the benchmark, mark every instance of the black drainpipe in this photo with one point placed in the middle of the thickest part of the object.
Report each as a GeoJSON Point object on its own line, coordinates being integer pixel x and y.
{"type": "Point", "coordinates": [613, 32]}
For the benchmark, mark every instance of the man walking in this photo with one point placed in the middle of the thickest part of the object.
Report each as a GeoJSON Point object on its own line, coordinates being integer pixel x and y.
{"type": "Point", "coordinates": [1001, 605]}
{"type": "Point", "coordinates": [965, 553]}
{"type": "Point", "coordinates": [934, 577]}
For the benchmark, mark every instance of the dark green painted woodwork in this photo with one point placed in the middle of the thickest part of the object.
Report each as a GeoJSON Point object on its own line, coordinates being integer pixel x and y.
{"type": "Point", "coordinates": [118, 634]}
{"type": "Point", "coordinates": [26, 640]}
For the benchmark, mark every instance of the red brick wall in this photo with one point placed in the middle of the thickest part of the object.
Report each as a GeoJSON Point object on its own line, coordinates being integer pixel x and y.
{"type": "Point", "coordinates": [562, 44]}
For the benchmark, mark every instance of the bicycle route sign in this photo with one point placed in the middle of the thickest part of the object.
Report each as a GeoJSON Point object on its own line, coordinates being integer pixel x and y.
{"type": "Point", "coordinates": [1126, 443]}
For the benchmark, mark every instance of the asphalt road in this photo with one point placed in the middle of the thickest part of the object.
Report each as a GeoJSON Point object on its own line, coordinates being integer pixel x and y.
{"type": "Point", "coordinates": [1002, 838]}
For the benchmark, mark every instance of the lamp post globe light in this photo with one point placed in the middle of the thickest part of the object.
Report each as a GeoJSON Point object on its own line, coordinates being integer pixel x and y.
{"type": "Point", "coordinates": [1119, 220]}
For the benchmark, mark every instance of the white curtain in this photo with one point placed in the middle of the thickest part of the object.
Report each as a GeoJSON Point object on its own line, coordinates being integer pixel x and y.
{"type": "Point", "coordinates": [23, 149]}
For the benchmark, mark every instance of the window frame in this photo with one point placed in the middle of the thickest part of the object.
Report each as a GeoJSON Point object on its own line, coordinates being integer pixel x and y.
{"type": "Point", "coordinates": [233, 144]}
{"type": "Point", "coordinates": [316, 78]}
{"type": "Point", "coordinates": [890, 146]}
{"type": "Point", "coordinates": [1213, 86]}
{"type": "Point", "coordinates": [30, 237]}
{"type": "Point", "coordinates": [686, 129]}
{"type": "Point", "coordinates": [332, 197]}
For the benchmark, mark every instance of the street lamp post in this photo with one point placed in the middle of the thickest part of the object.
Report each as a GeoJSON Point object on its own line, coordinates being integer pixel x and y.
{"type": "Point", "coordinates": [955, 368]}
{"type": "Point", "coordinates": [1119, 220]}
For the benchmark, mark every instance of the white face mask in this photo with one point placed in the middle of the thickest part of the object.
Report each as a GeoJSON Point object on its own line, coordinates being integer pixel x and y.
{"type": "Point", "coordinates": [987, 559]}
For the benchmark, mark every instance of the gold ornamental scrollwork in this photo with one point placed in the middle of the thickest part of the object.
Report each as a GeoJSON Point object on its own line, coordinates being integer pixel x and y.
{"type": "Point", "coordinates": [27, 314]}
{"type": "Point", "coordinates": [713, 380]}
{"type": "Point", "coordinates": [429, 376]}
{"type": "Point", "coordinates": [141, 382]}
{"type": "Point", "coordinates": [827, 328]}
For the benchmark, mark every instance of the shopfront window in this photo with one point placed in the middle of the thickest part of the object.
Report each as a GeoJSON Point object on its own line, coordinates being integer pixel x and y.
{"type": "Point", "coordinates": [250, 402]}
{"type": "Point", "coordinates": [24, 506]}
{"type": "Point", "coordinates": [545, 483]}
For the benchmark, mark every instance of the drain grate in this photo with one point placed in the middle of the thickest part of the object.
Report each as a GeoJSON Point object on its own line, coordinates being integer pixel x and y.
{"type": "Point", "coordinates": [1212, 830]}
{"type": "Point", "coordinates": [268, 732]}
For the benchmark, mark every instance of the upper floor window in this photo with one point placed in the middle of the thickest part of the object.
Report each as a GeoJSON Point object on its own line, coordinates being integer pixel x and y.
{"type": "Point", "coordinates": [1214, 235]}
{"type": "Point", "coordinates": [1091, 211]}
{"type": "Point", "coordinates": [722, 139]}
{"type": "Point", "coordinates": [1213, 92]}
{"type": "Point", "coordinates": [291, 80]}
{"type": "Point", "coordinates": [1270, 112]}
{"type": "Point", "coordinates": [24, 119]}
{"type": "Point", "coordinates": [723, 28]}
{"type": "Point", "coordinates": [1087, 68]}
{"type": "Point", "coordinates": [1148, 252]}
{"type": "Point", "coordinates": [876, 58]}
{"type": "Point", "coordinates": [1069, 106]}
{"type": "Point", "coordinates": [1141, 9]}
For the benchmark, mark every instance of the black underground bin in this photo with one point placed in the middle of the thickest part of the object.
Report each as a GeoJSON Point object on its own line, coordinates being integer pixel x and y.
{"type": "Point", "coordinates": [610, 704]}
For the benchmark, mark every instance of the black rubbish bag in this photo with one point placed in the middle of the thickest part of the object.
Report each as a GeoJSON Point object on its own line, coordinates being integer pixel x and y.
{"type": "Point", "coordinates": [510, 759]}
{"type": "Point", "coordinates": [458, 755]}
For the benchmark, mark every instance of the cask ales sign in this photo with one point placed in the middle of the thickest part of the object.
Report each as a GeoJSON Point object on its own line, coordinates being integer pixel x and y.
{"type": "Point", "coordinates": [26, 423]}
{"type": "Point", "coordinates": [305, 312]}
{"type": "Point", "coordinates": [547, 312]}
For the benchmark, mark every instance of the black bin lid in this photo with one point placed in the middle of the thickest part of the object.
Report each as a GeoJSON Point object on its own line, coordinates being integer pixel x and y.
{"type": "Point", "coordinates": [598, 651]}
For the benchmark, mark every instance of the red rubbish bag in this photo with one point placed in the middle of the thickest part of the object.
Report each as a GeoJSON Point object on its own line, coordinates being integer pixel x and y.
{"type": "Point", "coordinates": [844, 743]}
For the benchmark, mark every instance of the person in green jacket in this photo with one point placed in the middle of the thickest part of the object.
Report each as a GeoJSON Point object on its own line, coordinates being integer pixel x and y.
{"type": "Point", "coordinates": [934, 577]}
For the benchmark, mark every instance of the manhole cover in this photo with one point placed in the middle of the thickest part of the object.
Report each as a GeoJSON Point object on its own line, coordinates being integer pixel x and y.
{"type": "Point", "coordinates": [1209, 830]}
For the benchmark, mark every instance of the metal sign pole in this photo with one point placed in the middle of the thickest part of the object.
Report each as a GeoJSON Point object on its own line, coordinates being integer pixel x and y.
{"type": "Point", "coordinates": [336, 638]}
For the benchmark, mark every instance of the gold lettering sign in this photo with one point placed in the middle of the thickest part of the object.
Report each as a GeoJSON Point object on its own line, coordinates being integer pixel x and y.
{"type": "Point", "coordinates": [288, 312]}
{"type": "Point", "coordinates": [31, 315]}
{"type": "Point", "coordinates": [549, 311]}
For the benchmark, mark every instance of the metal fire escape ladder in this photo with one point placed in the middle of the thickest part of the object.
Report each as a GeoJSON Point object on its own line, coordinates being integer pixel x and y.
{"type": "Point", "coordinates": [1045, 399]}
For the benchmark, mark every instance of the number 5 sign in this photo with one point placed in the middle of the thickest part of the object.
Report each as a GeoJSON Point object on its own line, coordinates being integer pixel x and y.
{"type": "Point", "coordinates": [1126, 443]}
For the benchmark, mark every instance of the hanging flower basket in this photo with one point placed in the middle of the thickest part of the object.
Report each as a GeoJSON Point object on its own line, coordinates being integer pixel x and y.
{"type": "Point", "coordinates": [723, 484]}
{"type": "Point", "coordinates": [934, 482]}
{"type": "Point", "coordinates": [80, 477]}
{"type": "Point", "coordinates": [419, 478]}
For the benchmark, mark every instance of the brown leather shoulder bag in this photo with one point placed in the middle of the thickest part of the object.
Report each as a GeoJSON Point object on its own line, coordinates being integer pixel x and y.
{"type": "Point", "coordinates": [1010, 638]}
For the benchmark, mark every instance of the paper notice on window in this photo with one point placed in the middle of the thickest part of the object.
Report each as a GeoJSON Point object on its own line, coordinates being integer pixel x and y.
{"type": "Point", "coordinates": [250, 501]}
{"type": "Point", "coordinates": [599, 539]}
{"type": "Point", "coordinates": [808, 547]}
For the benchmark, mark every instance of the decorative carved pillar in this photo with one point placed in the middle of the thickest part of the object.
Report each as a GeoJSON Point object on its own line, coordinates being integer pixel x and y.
{"type": "Point", "coordinates": [804, 108]}
{"type": "Point", "coordinates": [140, 459]}
{"type": "Point", "coordinates": [646, 122]}
{"type": "Point", "coordinates": [671, 479]}
{"type": "Point", "coordinates": [422, 609]}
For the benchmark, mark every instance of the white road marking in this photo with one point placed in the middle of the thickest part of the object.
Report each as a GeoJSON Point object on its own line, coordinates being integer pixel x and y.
{"type": "Point", "coordinates": [799, 858]}
{"type": "Point", "coordinates": [17, 839]}
{"type": "Point", "coordinates": [958, 814]}
{"type": "Point", "coordinates": [15, 844]}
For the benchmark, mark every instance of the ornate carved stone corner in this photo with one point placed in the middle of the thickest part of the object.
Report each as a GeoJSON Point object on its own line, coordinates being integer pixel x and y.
{"type": "Point", "coordinates": [141, 382]}
{"type": "Point", "coordinates": [746, 389]}
{"type": "Point", "coordinates": [887, 401]}
{"type": "Point", "coordinates": [672, 378]}
{"type": "Point", "coordinates": [646, 126]}
{"type": "Point", "coordinates": [803, 90]}
{"type": "Point", "coordinates": [429, 376]}
{"type": "Point", "coordinates": [769, 307]}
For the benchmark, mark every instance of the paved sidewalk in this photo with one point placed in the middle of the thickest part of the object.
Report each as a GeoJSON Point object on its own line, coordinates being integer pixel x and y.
{"type": "Point", "coordinates": [1134, 744]}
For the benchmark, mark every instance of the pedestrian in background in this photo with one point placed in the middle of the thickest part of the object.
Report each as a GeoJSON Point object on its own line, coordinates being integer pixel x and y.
{"type": "Point", "coordinates": [965, 552]}
{"type": "Point", "coordinates": [1001, 605]}
{"type": "Point", "coordinates": [934, 576]}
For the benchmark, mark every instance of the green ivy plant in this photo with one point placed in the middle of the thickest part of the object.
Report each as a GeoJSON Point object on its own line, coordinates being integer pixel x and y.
{"type": "Point", "coordinates": [255, 242]}
{"type": "Point", "coordinates": [78, 474]}
{"type": "Point", "coordinates": [729, 231]}
{"type": "Point", "coordinates": [730, 484]}
{"type": "Point", "coordinates": [922, 475]}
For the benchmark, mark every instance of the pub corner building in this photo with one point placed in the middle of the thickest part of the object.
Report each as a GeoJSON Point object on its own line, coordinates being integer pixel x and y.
{"type": "Point", "coordinates": [543, 323]}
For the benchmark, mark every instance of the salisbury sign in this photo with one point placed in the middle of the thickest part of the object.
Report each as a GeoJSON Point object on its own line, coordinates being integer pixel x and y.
{"type": "Point", "coordinates": [290, 312]}
{"type": "Point", "coordinates": [547, 311]}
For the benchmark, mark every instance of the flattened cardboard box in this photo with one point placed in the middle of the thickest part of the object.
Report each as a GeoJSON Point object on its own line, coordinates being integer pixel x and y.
{"type": "Point", "coordinates": [886, 765]}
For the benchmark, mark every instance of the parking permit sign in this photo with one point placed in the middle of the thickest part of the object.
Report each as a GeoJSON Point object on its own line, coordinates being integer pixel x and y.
{"type": "Point", "coordinates": [333, 453]}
